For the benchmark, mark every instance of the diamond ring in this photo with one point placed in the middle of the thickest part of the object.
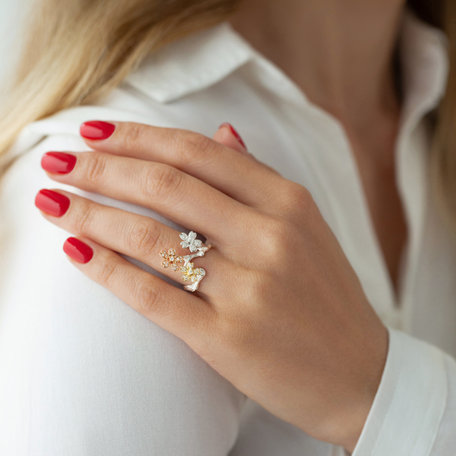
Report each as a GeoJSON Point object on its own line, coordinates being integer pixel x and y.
{"type": "Point", "coordinates": [184, 263]}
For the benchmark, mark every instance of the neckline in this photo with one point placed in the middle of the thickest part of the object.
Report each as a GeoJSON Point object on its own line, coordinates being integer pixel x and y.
{"type": "Point", "coordinates": [420, 45]}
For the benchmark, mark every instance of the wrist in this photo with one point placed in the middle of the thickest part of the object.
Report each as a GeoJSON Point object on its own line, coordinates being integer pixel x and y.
{"type": "Point", "coordinates": [354, 410]}
{"type": "Point", "coordinates": [348, 428]}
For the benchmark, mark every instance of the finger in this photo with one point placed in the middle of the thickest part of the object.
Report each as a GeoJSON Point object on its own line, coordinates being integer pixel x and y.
{"type": "Point", "coordinates": [181, 313]}
{"type": "Point", "coordinates": [180, 197]}
{"type": "Point", "coordinates": [229, 137]}
{"type": "Point", "coordinates": [249, 181]}
{"type": "Point", "coordinates": [134, 235]}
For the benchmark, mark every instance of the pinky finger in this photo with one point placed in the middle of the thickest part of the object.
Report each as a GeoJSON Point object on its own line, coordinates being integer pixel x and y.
{"type": "Point", "coordinates": [178, 311]}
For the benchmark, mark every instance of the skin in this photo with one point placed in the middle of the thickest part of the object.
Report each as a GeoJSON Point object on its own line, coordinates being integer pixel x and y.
{"type": "Point", "coordinates": [283, 356]}
{"type": "Point", "coordinates": [312, 41]}
{"type": "Point", "coordinates": [298, 314]}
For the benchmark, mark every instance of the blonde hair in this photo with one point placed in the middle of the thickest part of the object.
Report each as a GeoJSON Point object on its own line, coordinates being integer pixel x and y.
{"type": "Point", "coordinates": [77, 51]}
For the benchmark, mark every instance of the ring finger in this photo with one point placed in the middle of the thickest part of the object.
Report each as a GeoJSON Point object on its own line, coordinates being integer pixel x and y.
{"type": "Point", "coordinates": [137, 236]}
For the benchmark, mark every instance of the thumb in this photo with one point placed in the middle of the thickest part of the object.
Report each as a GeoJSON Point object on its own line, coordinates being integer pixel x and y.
{"type": "Point", "coordinates": [228, 136]}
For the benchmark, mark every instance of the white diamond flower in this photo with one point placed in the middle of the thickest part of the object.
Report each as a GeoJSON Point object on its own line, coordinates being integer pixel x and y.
{"type": "Point", "coordinates": [189, 240]}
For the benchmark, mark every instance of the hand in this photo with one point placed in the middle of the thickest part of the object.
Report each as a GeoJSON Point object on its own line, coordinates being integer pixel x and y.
{"type": "Point", "coordinates": [281, 314]}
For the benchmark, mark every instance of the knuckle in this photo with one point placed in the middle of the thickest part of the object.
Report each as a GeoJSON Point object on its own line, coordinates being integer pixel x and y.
{"type": "Point", "coordinates": [84, 219]}
{"type": "Point", "coordinates": [200, 142]}
{"type": "Point", "coordinates": [297, 197]}
{"type": "Point", "coordinates": [107, 273]}
{"type": "Point", "coordinates": [142, 238]}
{"type": "Point", "coordinates": [237, 328]}
{"type": "Point", "coordinates": [257, 289]}
{"type": "Point", "coordinates": [192, 146]}
{"type": "Point", "coordinates": [131, 134]}
{"type": "Point", "coordinates": [161, 180]}
{"type": "Point", "coordinates": [295, 192]}
{"type": "Point", "coordinates": [96, 167]}
{"type": "Point", "coordinates": [275, 237]}
{"type": "Point", "coordinates": [147, 296]}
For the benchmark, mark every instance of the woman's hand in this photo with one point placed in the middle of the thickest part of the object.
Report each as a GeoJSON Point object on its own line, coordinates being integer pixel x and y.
{"type": "Point", "coordinates": [281, 313]}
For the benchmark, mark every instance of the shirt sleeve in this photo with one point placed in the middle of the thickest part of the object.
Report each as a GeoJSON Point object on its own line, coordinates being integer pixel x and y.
{"type": "Point", "coordinates": [414, 411]}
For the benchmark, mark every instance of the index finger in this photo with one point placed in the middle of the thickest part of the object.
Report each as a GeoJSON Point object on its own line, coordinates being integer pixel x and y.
{"type": "Point", "coordinates": [248, 181]}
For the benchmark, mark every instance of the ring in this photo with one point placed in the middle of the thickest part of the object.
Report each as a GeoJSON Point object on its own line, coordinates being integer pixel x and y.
{"type": "Point", "coordinates": [184, 263]}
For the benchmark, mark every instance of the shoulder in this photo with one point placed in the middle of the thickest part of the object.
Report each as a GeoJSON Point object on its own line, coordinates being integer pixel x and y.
{"type": "Point", "coordinates": [95, 363]}
{"type": "Point", "coordinates": [197, 82]}
{"type": "Point", "coordinates": [157, 91]}
{"type": "Point", "coordinates": [86, 371]}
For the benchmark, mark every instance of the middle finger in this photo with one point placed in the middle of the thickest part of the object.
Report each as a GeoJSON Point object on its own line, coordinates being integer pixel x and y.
{"type": "Point", "coordinates": [239, 175]}
{"type": "Point", "coordinates": [181, 197]}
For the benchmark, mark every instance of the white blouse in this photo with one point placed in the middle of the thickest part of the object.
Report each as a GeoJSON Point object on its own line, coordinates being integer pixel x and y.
{"type": "Point", "coordinates": [82, 374]}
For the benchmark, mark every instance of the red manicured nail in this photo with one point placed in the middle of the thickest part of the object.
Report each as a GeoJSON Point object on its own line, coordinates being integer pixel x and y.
{"type": "Point", "coordinates": [51, 202]}
{"type": "Point", "coordinates": [96, 129]}
{"type": "Point", "coordinates": [78, 250]}
{"type": "Point", "coordinates": [235, 133]}
{"type": "Point", "coordinates": [58, 162]}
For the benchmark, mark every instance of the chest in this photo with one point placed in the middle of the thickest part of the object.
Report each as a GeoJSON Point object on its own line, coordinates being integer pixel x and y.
{"type": "Point", "coordinates": [376, 167]}
{"type": "Point", "coordinates": [388, 218]}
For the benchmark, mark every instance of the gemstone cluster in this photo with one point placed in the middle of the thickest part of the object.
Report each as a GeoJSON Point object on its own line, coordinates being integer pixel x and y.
{"type": "Point", "coordinates": [183, 263]}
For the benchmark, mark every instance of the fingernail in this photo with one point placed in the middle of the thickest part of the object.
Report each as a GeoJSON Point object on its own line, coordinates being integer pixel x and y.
{"type": "Point", "coordinates": [51, 202]}
{"type": "Point", "coordinates": [78, 250]}
{"type": "Point", "coordinates": [96, 129]}
{"type": "Point", "coordinates": [58, 162]}
{"type": "Point", "coordinates": [235, 133]}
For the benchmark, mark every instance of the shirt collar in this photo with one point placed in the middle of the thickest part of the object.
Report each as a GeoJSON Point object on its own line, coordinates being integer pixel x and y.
{"type": "Point", "coordinates": [208, 56]}
{"type": "Point", "coordinates": [191, 64]}
{"type": "Point", "coordinates": [424, 64]}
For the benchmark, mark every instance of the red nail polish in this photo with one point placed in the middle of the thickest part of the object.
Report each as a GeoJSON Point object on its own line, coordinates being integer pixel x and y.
{"type": "Point", "coordinates": [235, 133]}
{"type": "Point", "coordinates": [96, 129]}
{"type": "Point", "coordinates": [58, 162]}
{"type": "Point", "coordinates": [78, 250]}
{"type": "Point", "coordinates": [51, 202]}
